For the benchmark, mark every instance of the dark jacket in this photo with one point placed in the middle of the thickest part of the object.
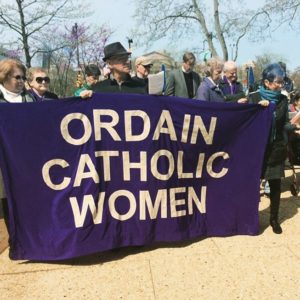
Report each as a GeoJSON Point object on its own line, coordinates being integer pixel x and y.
{"type": "Point", "coordinates": [276, 150]}
{"type": "Point", "coordinates": [129, 86]}
{"type": "Point", "coordinates": [234, 94]}
{"type": "Point", "coordinates": [47, 96]}
{"type": "Point", "coordinates": [143, 81]}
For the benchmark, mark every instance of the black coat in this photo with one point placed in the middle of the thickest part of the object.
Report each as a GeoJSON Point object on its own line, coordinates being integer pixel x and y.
{"type": "Point", "coordinates": [276, 149]}
{"type": "Point", "coordinates": [143, 81]}
{"type": "Point", "coordinates": [47, 96]}
{"type": "Point", "coordinates": [224, 86]}
{"type": "Point", "coordinates": [129, 86]}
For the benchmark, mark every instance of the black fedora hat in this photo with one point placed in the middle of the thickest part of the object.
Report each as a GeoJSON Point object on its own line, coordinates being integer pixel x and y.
{"type": "Point", "coordinates": [114, 49]}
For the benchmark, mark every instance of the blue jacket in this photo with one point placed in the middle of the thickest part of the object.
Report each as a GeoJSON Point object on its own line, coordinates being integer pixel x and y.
{"type": "Point", "coordinates": [208, 91]}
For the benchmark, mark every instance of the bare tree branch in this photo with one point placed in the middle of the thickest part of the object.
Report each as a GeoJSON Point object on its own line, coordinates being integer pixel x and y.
{"type": "Point", "coordinates": [29, 18]}
{"type": "Point", "coordinates": [218, 25]}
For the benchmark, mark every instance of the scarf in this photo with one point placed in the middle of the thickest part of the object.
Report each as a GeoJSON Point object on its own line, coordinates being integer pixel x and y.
{"type": "Point", "coordinates": [229, 88]}
{"type": "Point", "coordinates": [273, 97]}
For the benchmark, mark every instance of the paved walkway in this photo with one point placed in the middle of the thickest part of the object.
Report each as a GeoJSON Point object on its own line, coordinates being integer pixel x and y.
{"type": "Point", "coordinates": [266, 266]}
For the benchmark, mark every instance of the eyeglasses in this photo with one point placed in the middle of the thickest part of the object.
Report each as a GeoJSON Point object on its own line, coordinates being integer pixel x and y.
{"type": "Point", "coordinates": [41, 79]}
{"type": "Point", "coordinates": [279, 82]}
{"type": "Point", "coordinates": [19, 77]}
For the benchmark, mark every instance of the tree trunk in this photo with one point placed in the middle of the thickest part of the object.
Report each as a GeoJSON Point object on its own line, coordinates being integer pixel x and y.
{"type": "Point", "coordinates": [207, 34]}
{"type": "Point", "coordinates": [219, 31]}
{"type": "Point", "coordinates": [24, 35]}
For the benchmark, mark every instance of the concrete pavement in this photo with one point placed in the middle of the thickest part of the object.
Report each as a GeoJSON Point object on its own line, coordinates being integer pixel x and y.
{"type": "Point", "coordinates": [266, 266]}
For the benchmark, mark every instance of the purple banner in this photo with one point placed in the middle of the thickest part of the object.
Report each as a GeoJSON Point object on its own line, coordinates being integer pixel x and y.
{"type": "Point", "coordinates": [83, 176]}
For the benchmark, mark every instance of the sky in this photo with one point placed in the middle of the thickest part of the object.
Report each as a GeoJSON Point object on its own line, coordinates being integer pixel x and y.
{"type": "Point", "coordinates": [118, 15]}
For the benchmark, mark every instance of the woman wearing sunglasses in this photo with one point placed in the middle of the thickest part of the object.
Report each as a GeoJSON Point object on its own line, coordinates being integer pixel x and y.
{"type": "Point", "coordinates": [38, 84]}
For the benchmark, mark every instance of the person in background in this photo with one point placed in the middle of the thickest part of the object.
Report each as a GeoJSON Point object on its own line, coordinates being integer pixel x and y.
{"type": "Point", "coordinates": [120, 81]}
{"type": "Point", "coordinates": [105, 73]}
{"type": "Point", "coordinates": [142, 65]}
{"type": "Point", "coordinates": [232, 89]}
{"type": "Point", "coordinates": [38, 84]}
{"type": "Point", "coordinates": [295, 102]}
{"type": "Point", "coordinates": [209, 89]}
{"type": "Point", "coordinates": [288, 86]}
{"type": "Point", "coordinates": [183, 82]}
{"type": "Point", "coordinates": [276, 149]}
{"type": "Point", "coordinates": [92, 73]}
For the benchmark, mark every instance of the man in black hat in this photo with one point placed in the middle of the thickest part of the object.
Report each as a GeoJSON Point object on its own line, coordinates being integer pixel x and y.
{"type": "Point", "coordinates": [117, 59]}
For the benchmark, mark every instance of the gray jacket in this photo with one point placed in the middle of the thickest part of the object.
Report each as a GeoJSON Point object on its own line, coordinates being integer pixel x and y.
{"type": "Point", "coordinates": [176, 85]}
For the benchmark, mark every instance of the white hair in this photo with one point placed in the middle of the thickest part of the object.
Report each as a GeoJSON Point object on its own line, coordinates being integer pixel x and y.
{"type": "Point", "coordinates": [229, 65]}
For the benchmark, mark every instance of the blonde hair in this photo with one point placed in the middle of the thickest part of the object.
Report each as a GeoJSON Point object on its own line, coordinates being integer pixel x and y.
{"type": "Point", "coordinates": [7, 66]}
{"type": "Point", "coordinates": [212, 64]}
{"type": "Point", "coordinates": [32, 71]}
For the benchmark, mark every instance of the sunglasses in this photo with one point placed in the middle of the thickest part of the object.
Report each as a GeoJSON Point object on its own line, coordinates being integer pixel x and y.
{"type": "Point", "coordinates": [19, 77]}
{"type": "Point", "coordinates": [41, 79]}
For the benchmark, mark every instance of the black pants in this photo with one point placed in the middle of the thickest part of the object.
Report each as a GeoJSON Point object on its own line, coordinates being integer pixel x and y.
{"type": "Point", "coordinates": [275, 191]}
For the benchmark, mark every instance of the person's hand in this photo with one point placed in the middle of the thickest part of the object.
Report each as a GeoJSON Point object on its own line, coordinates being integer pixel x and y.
{"type": "Point", "coordinates": [242, 100]}
{"type": "Point", "coordinates": [264, 103]}
{"type": "Point", "coordinates": [86, 94]}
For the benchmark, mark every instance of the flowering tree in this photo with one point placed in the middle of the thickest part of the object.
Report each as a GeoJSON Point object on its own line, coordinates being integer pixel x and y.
{"type": "Point", "coordinates": [11, 53]}
{"type": "Point", "coordinates": [87, 43]}
{"type": "Point", "coordinates": [70, 51]}
{"type": "Point", "coordinates": [25, 21]}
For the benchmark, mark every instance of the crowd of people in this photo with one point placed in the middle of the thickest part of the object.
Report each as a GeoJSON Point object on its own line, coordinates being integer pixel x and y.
{"type": "Point", "coordinates": [220, 84]}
